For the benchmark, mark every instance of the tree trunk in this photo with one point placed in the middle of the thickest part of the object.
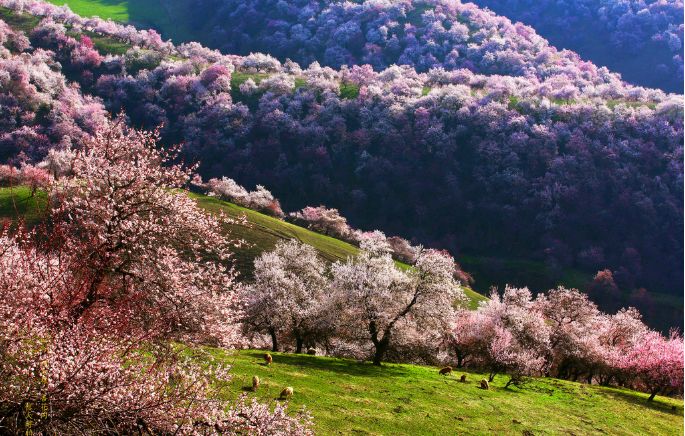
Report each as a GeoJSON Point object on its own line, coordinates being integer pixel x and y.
{"type": "Point", "coordinates": [492, 377]}
{"type": "Point", "coordinates": [651, 397]}
{"type": "Point", "coordinates": [90, 298]}
{"type": "Point", "coordinates": [381, 348]}
{"type": "Point", "coordinates": [460, 358]}
{"type": "Point", "coordinates": [274, 339]}
{"type": "Point", "coordinates": [298, 343]}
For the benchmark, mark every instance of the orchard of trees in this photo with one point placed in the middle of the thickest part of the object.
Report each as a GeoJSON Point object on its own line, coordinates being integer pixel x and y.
{"type": "Point", "coordinates": [104, 302]}
{"type": "Point", "coordinates": [367, 307]}
{"type": "Point", "coordinates": [564, 163]}
{"type": "Point", "coordinates": [425, 34]}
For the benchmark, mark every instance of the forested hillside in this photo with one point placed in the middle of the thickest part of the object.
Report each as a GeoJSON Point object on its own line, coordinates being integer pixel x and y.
{"type": "Point", "coordinates": [641, 39]}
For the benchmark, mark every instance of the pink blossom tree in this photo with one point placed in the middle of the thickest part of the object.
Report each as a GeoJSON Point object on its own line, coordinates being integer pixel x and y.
{"type": "Point", "coordinates": [573, 321]}
{"type": "Point", "coordinates": [323, 220]}
{"type": "Point", "coordinates": [519, 340]}
{"type": "Point", "coordinates": [657, 363]}
{"type": "Point", "coordinates": [144, 246]}
{"type": "Point", "coordinates": [468, 336]}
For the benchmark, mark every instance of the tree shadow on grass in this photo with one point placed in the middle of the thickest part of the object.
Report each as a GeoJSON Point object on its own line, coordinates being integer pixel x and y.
{"type": "Point", "coordinates": [342, 366]}
{"type": "Point", "coordinates": [657, 404]}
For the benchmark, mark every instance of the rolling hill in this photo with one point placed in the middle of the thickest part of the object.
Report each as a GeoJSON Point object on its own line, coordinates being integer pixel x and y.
{"type": "Point", "coordinates": [348, 397]}
{"type": "Point", "coordinates": [375, 164]}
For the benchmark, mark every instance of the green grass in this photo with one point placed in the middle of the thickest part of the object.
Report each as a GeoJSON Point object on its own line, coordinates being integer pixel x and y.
{"type": "Point", "coordinates": [349, 91]}
{"type": "Point", "coordinates": [263, 232]}
{"type": "Point", "coordinates": [115, 9]}
{"type": "Point", "coordinates": [167, 16]}
{"type": "Point", "coordinates": [346, 397]}
{"type": "Point", "coordinates": [17, 203]}
{"type": "Point", "coordinates": [20, 22]}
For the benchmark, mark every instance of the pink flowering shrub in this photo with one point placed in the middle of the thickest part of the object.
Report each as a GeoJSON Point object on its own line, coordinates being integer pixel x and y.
{"type": "Point", "coordinates": [323, 220]}
{"type": "Point", "coordinates": [656, 362]}
{"type": "Point", "coordinates": [35, 178]}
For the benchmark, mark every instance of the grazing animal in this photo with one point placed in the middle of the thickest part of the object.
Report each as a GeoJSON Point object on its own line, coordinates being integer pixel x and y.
{"type": "Point", "coordinates": [255, 383]}
{"type": "Point", "coordinates": [268, 359]}
{"type": "Point", "coordinates": [311, 352]}
{"type": "Point", "coordinates": [463, 378]}
{"type": "Point", "coordinates": [446, 370]}
{"type": "Point", "coordinates": [287, 392]}
{"type": "Point", "coordinates": [484, 384]}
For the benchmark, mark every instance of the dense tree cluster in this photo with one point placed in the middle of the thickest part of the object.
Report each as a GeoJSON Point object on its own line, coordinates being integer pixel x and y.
{"type": "Point", "coordinates": [90, 300]}
{"type": "Point", "coordinates": [260, 199]}
{"type": "Point", "coordinates": [633, 34]}
{"type": "Point", "coordinates": [40, 109]}
{"type": "Point", "coordinates": [571, 166]}
{"type": "Point", "coordinates": [558, 159]}
{"type": "Point", "coordinates": [423, 34]}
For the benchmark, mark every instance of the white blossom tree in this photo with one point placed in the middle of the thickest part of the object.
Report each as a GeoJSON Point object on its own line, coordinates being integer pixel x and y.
{"type": "Point", "coordinates": [376, 299]}
{"type": "Point", "coordinates": [288, 294]}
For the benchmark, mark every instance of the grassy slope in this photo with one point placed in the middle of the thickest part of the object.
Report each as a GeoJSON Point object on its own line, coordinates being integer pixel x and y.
{"type": "Point", "coordinates": [346, 397]}
{"type": "Point", "coordinates": [161, 14]}
{"type": "Point", "coordinates": [114, 9]}
{"type": "Point", "coordinates": [261, 232]}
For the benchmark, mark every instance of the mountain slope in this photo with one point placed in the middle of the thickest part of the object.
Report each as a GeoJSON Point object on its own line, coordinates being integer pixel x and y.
{"type": "Point", "coordinates": [564, 171]}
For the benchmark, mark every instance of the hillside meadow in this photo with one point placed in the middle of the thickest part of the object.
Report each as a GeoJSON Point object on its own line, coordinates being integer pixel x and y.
{"type": "Point", "coordinates": [352, 397]}
{"type": "Point", "coordinates": [349, 397]}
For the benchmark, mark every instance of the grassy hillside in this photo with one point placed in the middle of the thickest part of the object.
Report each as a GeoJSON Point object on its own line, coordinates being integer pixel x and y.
{"type": "Point", "coordinates": [346, 397]}
{"type": "Point", "coordinates": [167, 16]}
{"type": "Point", "coordinates": [115, 9]}
{"type": "Point", "coordinates": [260, 232]}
